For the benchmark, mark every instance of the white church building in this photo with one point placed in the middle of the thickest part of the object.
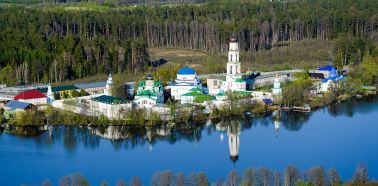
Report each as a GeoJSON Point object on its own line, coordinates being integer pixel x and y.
{"type": "Point", "coordinates": [186, 79]}
{"type": "Point", "coordinates": [149, 93]}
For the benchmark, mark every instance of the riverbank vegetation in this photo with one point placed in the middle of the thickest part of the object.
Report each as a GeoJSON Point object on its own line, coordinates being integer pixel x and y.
{"type": "Point", "coordinates": [315, 176]}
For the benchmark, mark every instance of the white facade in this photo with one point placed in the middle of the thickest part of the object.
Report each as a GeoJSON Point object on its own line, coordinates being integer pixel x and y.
{"type": "Point", "coordinates": [277, 86]}
{"type": "Point", "coordinates": [50, 95]}
{"type": "Point", "coordinates": [145, 102]}
{"type": "Point", "coordinates": [111, 111]}
{"type": "Point", "coordinates": [186, 79]}
{"type": "Point", "coordinates": [109, 84]}
{"type": "Point", "coordinates": [35, 101]}
{"type": "Point", "coordinates": [187, 99]}
{"type": "Point", "coordinates": [234, 79]}
{"type": "Point", "coordinates": [325, 85]}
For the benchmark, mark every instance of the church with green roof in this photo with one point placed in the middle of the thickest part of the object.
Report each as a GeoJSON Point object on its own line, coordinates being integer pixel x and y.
{"type": "Point", "coordinates": [149, 93]}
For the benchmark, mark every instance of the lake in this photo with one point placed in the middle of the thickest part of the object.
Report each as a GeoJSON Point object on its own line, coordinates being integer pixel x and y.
{"type": "Point", "coordinates": [340, 136]}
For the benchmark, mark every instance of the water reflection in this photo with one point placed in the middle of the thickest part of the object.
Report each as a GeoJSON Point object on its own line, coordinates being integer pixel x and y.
{"type": "Point", "coordinates": [123, 137]}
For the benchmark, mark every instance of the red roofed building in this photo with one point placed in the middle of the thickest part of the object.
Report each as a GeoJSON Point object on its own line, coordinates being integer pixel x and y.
{"type": "Point", "coordinates": [34, 97]}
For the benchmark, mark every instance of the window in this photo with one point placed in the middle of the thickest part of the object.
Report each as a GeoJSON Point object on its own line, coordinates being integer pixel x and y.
{"type": "Point", "coordinates": [230, 69]}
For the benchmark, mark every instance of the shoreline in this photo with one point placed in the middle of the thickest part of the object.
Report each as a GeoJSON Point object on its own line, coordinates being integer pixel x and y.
{"type": "Point", "coordinates": [140, 120]}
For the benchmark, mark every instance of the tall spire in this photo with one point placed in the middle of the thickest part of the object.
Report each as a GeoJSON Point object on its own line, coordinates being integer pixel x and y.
{"type": "Point", "coordinates": [50, 94]}
{"type": "Point", "coordinates": [109, 84]}
{"type": "Point", "coordinates": [277, 86]}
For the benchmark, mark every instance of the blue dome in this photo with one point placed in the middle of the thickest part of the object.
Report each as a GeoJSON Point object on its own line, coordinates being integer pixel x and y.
{"type": "Point", "coordinates": [186, 70]}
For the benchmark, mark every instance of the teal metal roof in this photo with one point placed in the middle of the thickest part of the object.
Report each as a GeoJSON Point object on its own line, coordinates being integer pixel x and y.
{"type": "Point", "coordinates": [109, 99]}
{"type": "Point", "coordinates": [239, 80]}
{"type": "Point", "coordinates": [202, 98]}
{"type": "Point", "coordinates": [221, 94]}
{"type": "Point", "coordinates": [147, 93]}
{"type": "Point", "coordinates": [195, 90]}
{"type": "Point", "coordinates": [58, 88]}
{"type": "Point", "coordinates": [191, 94]}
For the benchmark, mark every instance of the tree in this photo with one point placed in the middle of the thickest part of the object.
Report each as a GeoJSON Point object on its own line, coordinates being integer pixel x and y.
{"type": "Point", "coordinates": [266, 176]}
{"type": "Point", "coordinates": [75, 93]}
{"type": "Point", "coordinates": [180, 179]}
{"type": "Point", "coordinates": [249, 177]}
{"type": "Point", "coordinates": [46, 183]}
{"type": "Point", "coordinates": [121, 182]}
{"type": "Point", "coordinates": [360, 175]}
{"type": "Point", "coordinates": [278, 179]}
{"type": "Point", "coordinates": [104, 183]}
{"type": "Point", "coordinates": [303, 183]}
{"type": "Point", "coordinates": [292, 175]}
{"type": "Point", "coordinates": [82, 92]}
{"type": "Point", "coordinates": [135, 181]}
{"type": "Point", "coordinates": [370, 70]}
{"type": "Point", "coordinates": [80, 180]}
{"type": "Point", "coordinates": [202, 179]}
{"type": "Point", "coordinates": [65, 181]}
{"type": "Point", "coordinates": [334, 177]}
{"type": "Point", "coordinates": [163, 178]}
{"type": "Point", "coordinates": [233, 178]}
{"type": "Point", "coordinates": [316, 176]}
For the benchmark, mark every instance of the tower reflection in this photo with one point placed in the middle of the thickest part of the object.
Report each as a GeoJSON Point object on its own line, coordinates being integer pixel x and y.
{"type": "Point", "coordinates": [233, 133]}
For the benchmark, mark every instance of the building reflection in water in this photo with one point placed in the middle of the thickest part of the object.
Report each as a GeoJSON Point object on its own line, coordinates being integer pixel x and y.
{"type": "Point", "coordinates": [276, 116]}
{"type": "Point", "coordinates": [233, 134]}
{"type": "Point", "coordinates": [233, 128]}
{"type": "Point", "coordinates": [130, 137]}
{"type": "Point", "coordinates": [277, 127]}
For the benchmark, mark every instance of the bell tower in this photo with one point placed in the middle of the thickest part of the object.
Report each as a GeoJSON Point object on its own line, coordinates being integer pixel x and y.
{"type": "Point", "coordinates": [233, 64]}
{"type": "Point", "coordinates": [109, 84]}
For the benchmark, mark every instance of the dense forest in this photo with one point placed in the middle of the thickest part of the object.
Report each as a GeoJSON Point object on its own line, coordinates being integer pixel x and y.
{"type": "Point", "coordinates": [54, 43]}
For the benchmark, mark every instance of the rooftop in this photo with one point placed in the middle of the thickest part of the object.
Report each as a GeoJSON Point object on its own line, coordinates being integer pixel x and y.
{"type": "Point", "coordinates": [29, 94]}
{"type": "Point", "coordinates": [327, 68]}
{"type": "Point", "coordinates": [239, 80]}
{"type": "Point", "coordinates": [202, 98]}
{"type": "Point", "coordinates": [267, 101]}
{"type": "Point", "coordinates": [186, 71]}
{"type": "Point", "coordinates": [91, 85]}
{"type": "Point", "coordinates": [221, 94]}
{"type": "Point", "coordinates": [148, 93]}
{"type": "Point", "coordinates": [233, 39]}
{"type": "Point", "coordinates": [17, 104]}
{"type": "Point", "coordinates": [195, 90]}
{"type": "Point", "coordinates": [109, 99]}
{"type": "Point", "coordinates": [191, 94]}
{"type": "Point", "coordinates": [58, 88]}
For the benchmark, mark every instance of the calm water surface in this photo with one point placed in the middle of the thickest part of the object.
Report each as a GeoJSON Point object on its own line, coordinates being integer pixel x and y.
{"type": "Point", "coordinates": [339, 136]}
